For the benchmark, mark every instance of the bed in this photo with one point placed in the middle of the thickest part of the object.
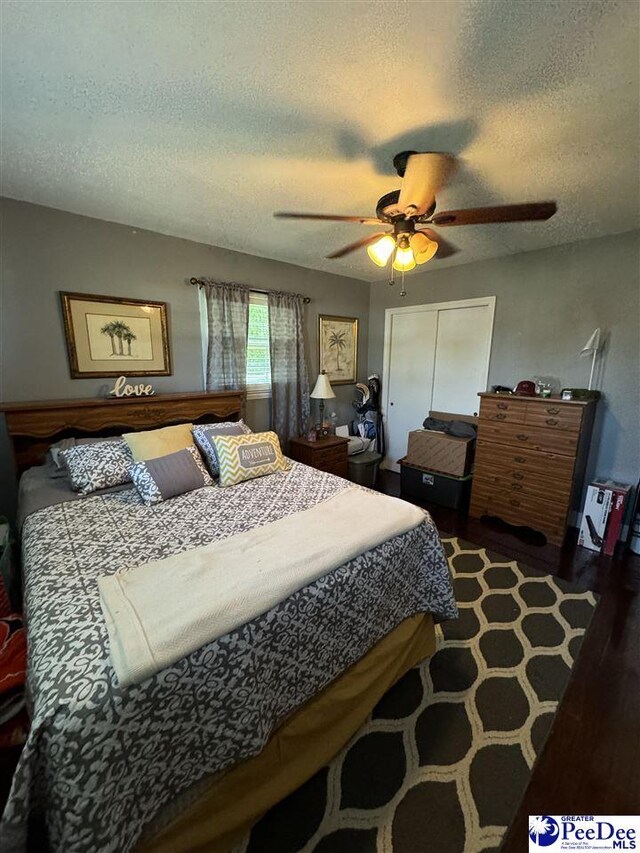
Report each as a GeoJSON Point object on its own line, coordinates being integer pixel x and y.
{"type": "Point", "coordinates": [190, 757]}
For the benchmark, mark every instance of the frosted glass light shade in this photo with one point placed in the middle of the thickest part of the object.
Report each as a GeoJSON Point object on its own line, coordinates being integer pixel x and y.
{"type": "Point", "coordinates": [322, 390]}
{"type": "Point", "coordinates": [380, 251]}
{"type": "Point", "coordinates": [404, 260]}
{"type": "Point", "coordinates": [423, 248]}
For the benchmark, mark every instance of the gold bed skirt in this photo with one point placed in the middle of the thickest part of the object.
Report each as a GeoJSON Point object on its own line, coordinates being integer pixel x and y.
{"type": "Point", "coordinates": [307, 741]}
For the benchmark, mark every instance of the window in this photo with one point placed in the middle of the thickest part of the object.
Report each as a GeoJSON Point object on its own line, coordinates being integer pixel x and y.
{"type": "Point", "coordinates": [258, 361]}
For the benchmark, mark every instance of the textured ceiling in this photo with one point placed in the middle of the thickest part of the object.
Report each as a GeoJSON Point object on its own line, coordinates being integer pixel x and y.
{"type": "Point", "coordinates": [200, 119]}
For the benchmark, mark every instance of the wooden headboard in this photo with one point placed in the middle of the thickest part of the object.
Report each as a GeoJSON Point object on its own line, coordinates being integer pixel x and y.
{"type": "Point", "coordinates": [32, 427]}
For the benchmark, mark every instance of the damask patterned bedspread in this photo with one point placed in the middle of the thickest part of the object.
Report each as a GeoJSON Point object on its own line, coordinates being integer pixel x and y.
{"type": "Point", "coordinates": [101, 761]}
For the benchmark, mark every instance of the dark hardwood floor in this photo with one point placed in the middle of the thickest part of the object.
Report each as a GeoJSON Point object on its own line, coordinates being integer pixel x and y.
{"type": "Point", "coordinates": [591, 761]}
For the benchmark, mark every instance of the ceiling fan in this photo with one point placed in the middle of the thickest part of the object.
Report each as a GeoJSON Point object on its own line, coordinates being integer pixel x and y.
{"type": "Point", "coordinates": [414, 204]}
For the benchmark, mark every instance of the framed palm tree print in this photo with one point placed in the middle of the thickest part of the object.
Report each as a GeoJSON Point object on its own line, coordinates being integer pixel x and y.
{"type": "Point", "coordinates": [110, 336]}
{"type": "Point", "coordinates": [338, 345]}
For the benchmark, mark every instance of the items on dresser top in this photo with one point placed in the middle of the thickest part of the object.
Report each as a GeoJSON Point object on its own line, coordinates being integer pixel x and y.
{"type": "Point", "coordinates": [168, 476]}
{"type": "Point", "coordinates": [530, 459]}
{"type": "Point", "coordinates": [152, 443]}
{"type": "Point", "coordinates": [325, 454]}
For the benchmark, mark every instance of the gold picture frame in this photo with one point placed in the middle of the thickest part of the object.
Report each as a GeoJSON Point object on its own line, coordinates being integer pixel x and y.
{"type": "Point", "coordinates": [338, 348]}
{"type": "Point", "coordinates": [112, 336]}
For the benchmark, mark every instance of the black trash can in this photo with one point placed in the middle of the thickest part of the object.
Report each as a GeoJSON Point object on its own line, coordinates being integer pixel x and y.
{"type": "Point", "coordinates": [363, 468]}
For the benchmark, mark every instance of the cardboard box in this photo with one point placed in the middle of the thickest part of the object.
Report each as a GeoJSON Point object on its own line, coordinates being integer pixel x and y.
{"type": "Point", "coordinates": [620, 495]}
{"type": "Point", "coordinates": [603, 516]}
{"type": "Point", "coordinates": [437, 451]}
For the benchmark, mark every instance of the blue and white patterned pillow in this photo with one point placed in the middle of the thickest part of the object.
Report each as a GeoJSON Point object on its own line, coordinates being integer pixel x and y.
{"type": "Point", "coordinates": [204, 434]}
{"type": "Point", "coordinates": [98, 466]}
{"type": "Point", "coordinates": [169, 476]}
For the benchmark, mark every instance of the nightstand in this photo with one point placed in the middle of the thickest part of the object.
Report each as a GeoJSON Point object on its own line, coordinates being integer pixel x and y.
{"type": "Point", "coordinates": [325, 454]}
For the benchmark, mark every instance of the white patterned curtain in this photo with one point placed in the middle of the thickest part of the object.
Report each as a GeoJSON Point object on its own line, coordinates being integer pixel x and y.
{"type": "Point", "coordinates": [289, 378]}
{"type": "Point", "coordinates": [228, 324]}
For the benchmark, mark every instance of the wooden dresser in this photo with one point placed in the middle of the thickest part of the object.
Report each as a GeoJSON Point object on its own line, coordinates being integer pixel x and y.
{"type": "Point", "coordinates": [531, 454]}
{"type": "Point", "coordinates": [325, 454]}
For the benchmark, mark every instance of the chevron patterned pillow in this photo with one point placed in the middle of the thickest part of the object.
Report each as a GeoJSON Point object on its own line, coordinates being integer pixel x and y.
{"type": "Point", "coordinates": [243, 457]}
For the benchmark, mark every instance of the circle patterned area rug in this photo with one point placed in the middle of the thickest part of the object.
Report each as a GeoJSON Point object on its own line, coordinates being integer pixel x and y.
{"type": "Point", "coordinates": [445, 758]}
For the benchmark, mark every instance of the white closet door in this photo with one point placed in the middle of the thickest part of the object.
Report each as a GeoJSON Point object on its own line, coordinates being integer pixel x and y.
{"type": "Point", "coordinates": [436, 358]}
{"type": "Point", "coordinates": [412, 356]}
{"type": "Point", "coordinates": [462, 348]}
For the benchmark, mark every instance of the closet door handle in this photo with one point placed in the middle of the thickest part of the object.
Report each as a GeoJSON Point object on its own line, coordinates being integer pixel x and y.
{"type": "Point", "coordinates": [500, 416]}
{"type": "Point", "coordinates": [503, 405]}
{"type": "Point", "coordinates": [522, 437]}
{"type": "Point", "coordinates": [552, 421]}
{"type": "Point", "coordinates": [517, 475]}
{"type": "Point", "coordinates": [553, 411]}
{"type": "Point", "coordinates": [519, 459]}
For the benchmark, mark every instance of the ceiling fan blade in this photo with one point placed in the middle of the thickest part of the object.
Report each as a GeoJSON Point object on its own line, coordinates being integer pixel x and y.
{"type": "Point", "coordinates": [445, 249]}
{"type": "Point", "coordinates": [330, 217]}
{"type": "Point", "coordinates": [425, 175]}
{"type": "Point", "coordinates": [364, 241]}
{"type": "Point", "coordinates": [504, 213]}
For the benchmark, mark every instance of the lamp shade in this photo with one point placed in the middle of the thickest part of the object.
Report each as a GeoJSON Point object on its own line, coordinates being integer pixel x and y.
{"type": "Point", "coordinates": [322, 389]}
{"type": "Point", "coordinates": [592, 345]}
{"type": "Point", "coordinates": [381, 251]}
{"type": "Point", "coordinates": [423, 248]}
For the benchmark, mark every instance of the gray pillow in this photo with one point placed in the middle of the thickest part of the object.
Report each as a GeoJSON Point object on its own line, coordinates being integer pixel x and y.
{"type": "Point", "coordinates": [168, 476]}
{"type": "Point", "coordinates": [58, 469]}
{"type": "Point", "coordinates": [203, 435]}
{"type": "Point", "coordinates": [98, 466]}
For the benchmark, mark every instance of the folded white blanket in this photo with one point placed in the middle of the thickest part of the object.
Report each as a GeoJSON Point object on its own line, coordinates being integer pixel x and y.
{"type": "Point", "coordinates": [162, 611]}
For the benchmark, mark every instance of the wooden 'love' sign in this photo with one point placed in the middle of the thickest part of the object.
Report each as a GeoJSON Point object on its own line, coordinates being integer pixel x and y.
{"type": "Point", "coordinates": [121, 389]}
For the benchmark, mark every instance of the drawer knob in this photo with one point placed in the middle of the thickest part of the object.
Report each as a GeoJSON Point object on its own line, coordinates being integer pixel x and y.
{"type": "Point", "coordinates": [514, 502]}
{"type": "Point", "coordinates": [503, 405]}
{"type": "Point", "coordinates": [522, 437]}
{"type": "Point", "coordinates": [552, 421]}
{"type": "Point", "coordinates": [500, 416]}
{"type": "Point", "coordinates": [517, 475]}
{"type": "Point", "coordinates": [553, 411]}
{"type": "Point", "coordinates": [519, 459]}
{"type": "Point", "coordinates": [516, 486]}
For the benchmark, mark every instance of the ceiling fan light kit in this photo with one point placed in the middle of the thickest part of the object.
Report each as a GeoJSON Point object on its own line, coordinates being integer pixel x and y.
{"type": "Point", "coordinates": [423, 176]}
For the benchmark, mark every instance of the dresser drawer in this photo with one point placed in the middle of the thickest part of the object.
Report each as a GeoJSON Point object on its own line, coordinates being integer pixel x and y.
{"type": "Point", "coordinates": [330, 455]}
{"type": "Point", "coordinates": [533, 438]}
{"type": "Point", "coordinates": [516, 481]}
{"type": "Point", "coordinates": [554, 416]}
{"type": "Point", "coordinates": [523, 510]}
{"type": "Point", "coordinates": [490, 455]}
{"type": "Point", "coordinates": [503, 409]}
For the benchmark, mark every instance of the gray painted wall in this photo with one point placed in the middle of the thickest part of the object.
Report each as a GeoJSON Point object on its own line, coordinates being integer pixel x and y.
{"type": "Point", "coordinates": [548, 303]}
{"type": "Point", "coordinates": [45, 251]}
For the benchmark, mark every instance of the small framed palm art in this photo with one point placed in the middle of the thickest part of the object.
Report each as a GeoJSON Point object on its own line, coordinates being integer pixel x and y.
{"type": "Point", "coordinates": [338, 345]}
{"type": "Point", "coordinates": [110, 336]}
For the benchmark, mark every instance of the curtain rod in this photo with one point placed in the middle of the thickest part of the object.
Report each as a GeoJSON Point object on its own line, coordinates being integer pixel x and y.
{"type": "Point", "coordinates": [202, 283]}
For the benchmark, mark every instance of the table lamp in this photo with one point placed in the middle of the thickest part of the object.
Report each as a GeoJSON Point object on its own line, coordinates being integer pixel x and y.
{"type": "Point", "coordinates": [322, 391]}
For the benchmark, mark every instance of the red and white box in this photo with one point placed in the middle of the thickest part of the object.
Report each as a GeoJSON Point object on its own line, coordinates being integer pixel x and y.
{"type": "Point", "coordinates": [603, 516]}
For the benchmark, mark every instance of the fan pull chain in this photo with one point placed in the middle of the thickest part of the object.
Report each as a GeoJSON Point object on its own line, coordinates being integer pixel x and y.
{"type": "Point", "coordinates": [403, 292]}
